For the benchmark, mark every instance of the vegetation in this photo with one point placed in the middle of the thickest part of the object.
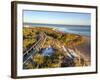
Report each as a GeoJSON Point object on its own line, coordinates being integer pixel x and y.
{"type": "Point", "coordinates": [41, 61]}
{"type": "Point", "coordinates": [29, 38]}
{"type": "Point", "coordinates": [54, 39]}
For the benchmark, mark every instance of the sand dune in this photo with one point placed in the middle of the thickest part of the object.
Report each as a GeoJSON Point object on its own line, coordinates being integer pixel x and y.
{"type": "Point", "coordinates": [85, 49]}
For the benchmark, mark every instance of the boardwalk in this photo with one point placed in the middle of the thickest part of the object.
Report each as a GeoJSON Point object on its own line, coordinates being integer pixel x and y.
{"type": "Point", "coordinates": [35, 48]}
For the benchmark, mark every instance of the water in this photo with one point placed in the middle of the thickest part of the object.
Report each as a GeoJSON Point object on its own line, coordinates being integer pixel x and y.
{"type": "Point", "coordinates": [48, 51]}
{"type": "Point", "coordinates": [76, 29]}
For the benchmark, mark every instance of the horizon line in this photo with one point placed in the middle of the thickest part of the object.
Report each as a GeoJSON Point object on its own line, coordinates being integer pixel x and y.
{"type": "Point", "coordinates": [55, 24]}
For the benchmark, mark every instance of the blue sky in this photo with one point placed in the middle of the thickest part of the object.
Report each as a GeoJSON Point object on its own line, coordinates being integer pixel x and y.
{"type": "Point", "coordinates": [48, 17]}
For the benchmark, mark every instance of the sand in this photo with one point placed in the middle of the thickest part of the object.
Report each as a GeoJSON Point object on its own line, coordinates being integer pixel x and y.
{"type": "Point", "coordinates": [85, 49]}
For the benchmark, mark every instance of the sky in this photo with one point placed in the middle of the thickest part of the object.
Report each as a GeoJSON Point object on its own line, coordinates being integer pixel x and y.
{"type": "Point", "coordinates": [51, 17]}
